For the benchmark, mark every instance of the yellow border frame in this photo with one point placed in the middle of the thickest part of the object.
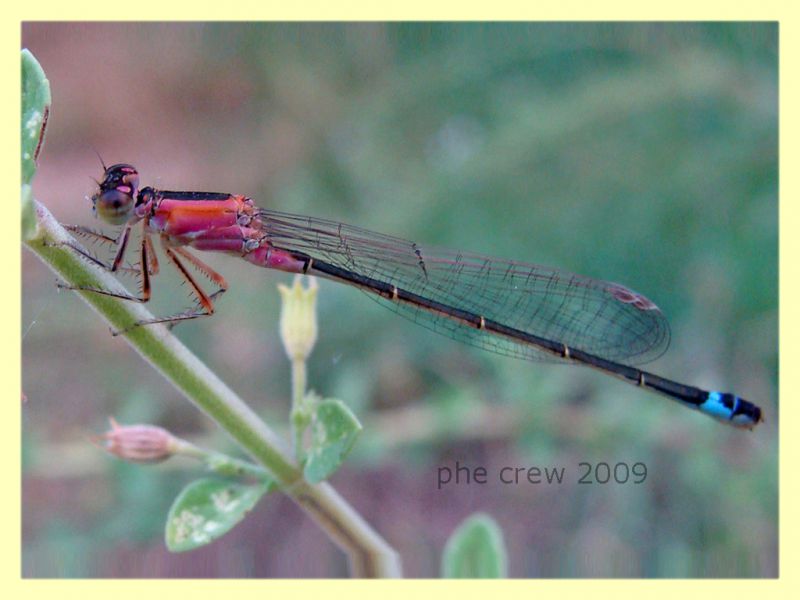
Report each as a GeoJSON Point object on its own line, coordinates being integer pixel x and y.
{"type": "Point", "coordinates": [789, 208]}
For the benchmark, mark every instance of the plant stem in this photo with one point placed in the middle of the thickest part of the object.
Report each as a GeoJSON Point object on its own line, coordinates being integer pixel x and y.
{"type": "Point", "coordinates": [369, 554]}
{"type": "Point", "coordinates": [222, 464]}
{"type": "Point", "coordinates": [299, 419]}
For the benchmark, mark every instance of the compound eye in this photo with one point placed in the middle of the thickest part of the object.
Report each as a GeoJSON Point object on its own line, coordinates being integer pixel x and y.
{"type": "Point", "coordinates": [114, 206]}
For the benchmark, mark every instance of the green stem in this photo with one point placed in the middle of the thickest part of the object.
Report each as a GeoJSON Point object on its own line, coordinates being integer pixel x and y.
{"type": "Point", "coordinates": [299, 418]}
{"type": "Point", "coordinates": [369, 554]}
{"type": "Point", "coordinates": [222, 464]}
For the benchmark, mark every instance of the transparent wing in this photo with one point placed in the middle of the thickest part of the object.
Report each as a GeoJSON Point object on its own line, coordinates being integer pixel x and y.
{"type": "Point", "coordinates": [598, 317]}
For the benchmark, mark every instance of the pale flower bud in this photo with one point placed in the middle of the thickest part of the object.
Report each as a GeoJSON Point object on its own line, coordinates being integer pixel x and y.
{"type": "Point", "coordinates": [139, 443]}
{"type": "Point", "coordinates": [299, 318]}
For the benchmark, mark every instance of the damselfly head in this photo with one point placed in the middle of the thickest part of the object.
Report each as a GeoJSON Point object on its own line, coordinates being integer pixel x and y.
{"type": "Point", "coordinates": [116, 196]}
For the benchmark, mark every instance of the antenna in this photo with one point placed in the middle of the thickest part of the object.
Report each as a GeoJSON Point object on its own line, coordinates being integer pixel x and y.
{"type": "Point", "coordinates": [101, 158]}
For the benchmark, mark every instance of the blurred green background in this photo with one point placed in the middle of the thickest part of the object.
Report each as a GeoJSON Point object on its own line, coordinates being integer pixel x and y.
{"type": "Point", "coordinates": [644, 154]}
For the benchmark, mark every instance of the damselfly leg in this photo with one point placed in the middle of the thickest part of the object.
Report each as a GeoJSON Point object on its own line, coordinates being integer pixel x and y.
{"type": "Point", "coordinates": [148, 266]}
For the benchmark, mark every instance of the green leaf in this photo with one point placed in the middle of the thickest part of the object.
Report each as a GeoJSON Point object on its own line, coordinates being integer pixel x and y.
{"type": "Point", "coordinates": [35, 108]}
{"type": "Point", "coordinates": [334, 431]}
{"type": "Point", "coordinates": [206, 509]}
{"type": "Point", "coordinates": [476, 550]}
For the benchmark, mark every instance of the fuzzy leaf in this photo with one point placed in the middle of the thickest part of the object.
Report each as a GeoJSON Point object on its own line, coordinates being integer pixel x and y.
{"type": "Point", "coordinates": [35, 108]}
{"type": "Point", "coordinates": [334, 431]}
{"type": "Point", "coordinates": [206, 509]}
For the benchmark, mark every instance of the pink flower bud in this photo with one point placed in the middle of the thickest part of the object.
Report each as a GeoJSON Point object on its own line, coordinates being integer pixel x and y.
{"type": "Point", "coordinates": [139, 443]}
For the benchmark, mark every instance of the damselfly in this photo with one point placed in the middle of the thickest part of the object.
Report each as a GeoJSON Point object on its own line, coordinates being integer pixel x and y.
{"type": "Point", "coordinates": [511, 308]}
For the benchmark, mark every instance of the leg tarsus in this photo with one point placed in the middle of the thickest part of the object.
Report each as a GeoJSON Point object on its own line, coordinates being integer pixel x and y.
{"type": "Point", "coordinates": [84, 288]}
{"type": "Point", "coordinates": [81, 252]}
{"type": "Point", "coordinates": [91, 234]}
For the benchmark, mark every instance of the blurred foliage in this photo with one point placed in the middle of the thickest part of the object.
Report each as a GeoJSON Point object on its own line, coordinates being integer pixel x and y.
{"type": "Point", "coordinates": [639, 153]}
{"type": "Point", "coordinates": [475, 550]}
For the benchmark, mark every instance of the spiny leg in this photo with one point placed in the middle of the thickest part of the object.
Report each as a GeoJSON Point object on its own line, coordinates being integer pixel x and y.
{"type": "Point", "coordinates": [97, 236]}
{"type": "Point", "coordinates": [121, 243]}
{"type": "Point", "coordinates": [91, 234]}
{"type": "Point", "coordinates": [149, 266]}
{"type": "Point", "coordinates": [215, 277]}
{"type": "Point", "coordinates": [205, 302]}
{"type": "Point", "coordinates": [151, 253]}
{"type": "Point", "coordinates": [144, 270]}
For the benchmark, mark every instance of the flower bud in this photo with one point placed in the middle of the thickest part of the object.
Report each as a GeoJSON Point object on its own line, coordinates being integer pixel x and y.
{"type": "Point", "coordinates": [299, 318]}
{"type": "Point", "coordinates": [139, 443]}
